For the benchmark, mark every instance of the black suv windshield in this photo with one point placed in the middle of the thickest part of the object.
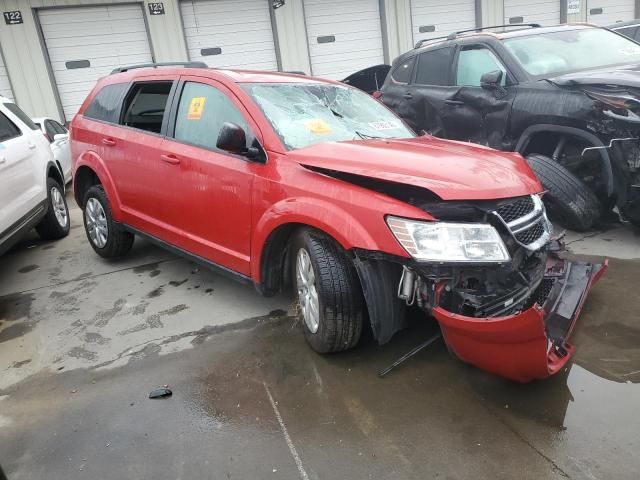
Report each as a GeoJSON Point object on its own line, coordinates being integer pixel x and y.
{"type": "Point", "coordinates": [304, 114]}
{"type": "Point", "coordinates": [569, 51]}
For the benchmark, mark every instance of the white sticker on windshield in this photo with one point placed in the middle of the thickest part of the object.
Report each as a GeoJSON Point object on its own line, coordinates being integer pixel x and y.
{"type": "Point", "coordinates": [634, 50]}
{"type": "Point", "coordinates": [384, 125]}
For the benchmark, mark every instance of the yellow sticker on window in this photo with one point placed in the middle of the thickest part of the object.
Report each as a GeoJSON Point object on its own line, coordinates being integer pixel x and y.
{"type": "Point", "coordinates": [317, 126]}
{"type": "Point", "coordinates": [195, 108]}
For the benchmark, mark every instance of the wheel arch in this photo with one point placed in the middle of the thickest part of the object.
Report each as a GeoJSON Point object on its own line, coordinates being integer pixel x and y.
{"type": "Point", "coordinates": [541, 129]}
{"type": "Point", "coordinates": [89, 170]}
{"type": "Point", "coordinates": [282, 220]}
{"type": "Point", "coordinates": [53, 171]}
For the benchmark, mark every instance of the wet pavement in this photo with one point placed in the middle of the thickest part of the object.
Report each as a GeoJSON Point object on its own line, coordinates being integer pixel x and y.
{"type": "Point", "coordinates": [83, 342]}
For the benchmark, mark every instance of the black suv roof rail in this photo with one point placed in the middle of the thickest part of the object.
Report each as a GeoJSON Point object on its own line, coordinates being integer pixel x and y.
{"type": "Point", "coordinates": [163, 64]}
{"type": "Point", "coordinates": [453, 35]}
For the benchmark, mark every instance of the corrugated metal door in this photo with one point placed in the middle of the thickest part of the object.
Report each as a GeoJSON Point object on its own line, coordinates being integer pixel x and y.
{"type": "Point", "coordinates": [343, 37]}
{"type": "Point", "coordinates": [86, 43]}
{"type": "Point", "coordinates": [5, 85]}
{"type": "Point", "coordinates": [607, 12]}
{"type": "Point", "coordinates": [434, 18]}
{"type": "Point", "coordinates": [545, 12]}
{"type": "Point", "coordinates": [230, 33]}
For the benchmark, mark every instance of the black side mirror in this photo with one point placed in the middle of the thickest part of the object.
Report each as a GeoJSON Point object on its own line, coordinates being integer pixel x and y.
{"type": "Point", "coordinates": [491, 80]}
{"type": "Point", "coordinates": [233, 139]}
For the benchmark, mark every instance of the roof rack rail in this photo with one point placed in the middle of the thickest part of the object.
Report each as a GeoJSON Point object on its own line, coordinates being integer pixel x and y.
{"type": "Point", "coordinates": [164, 64]}
{"type": "Point", "coordinates": [453, 35]}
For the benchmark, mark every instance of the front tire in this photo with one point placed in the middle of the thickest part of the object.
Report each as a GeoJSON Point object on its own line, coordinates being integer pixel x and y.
{"type": "Point", "coordinates": [106, 237]}
{"type": "Point", "coordinates": [330, 298]}
{"type": "Point", "coordinates": [569, 201]}
{"type": "Point", "coordinates": [56, 223]}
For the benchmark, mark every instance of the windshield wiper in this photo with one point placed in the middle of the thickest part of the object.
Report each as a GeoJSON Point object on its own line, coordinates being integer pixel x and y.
{"type": "Point", "coordinates": [364, 136]}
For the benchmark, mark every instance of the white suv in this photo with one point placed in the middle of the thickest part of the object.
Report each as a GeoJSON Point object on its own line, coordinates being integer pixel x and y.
{"type": "Point", "coordinates": [31, 184]}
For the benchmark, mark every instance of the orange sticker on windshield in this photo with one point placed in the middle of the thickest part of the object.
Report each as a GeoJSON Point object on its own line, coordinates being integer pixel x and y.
{"type": "Point", "coordinates": [195, 108]}
{"type": "Point", "coordinates": [317, 126]}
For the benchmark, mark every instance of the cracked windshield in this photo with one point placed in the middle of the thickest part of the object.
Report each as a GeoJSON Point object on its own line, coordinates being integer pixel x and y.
{"type": "Point", "coordinates": [307, 114]}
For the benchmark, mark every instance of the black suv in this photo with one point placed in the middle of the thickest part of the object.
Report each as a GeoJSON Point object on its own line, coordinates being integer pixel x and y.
{"type": "Point", "coordinates": [566, 97]}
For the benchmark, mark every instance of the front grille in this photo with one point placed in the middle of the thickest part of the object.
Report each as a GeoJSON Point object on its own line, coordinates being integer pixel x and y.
{"type": "Point", "coordinates": [531, 234]}
{"type": "Point", "coordinates": [525, 219]}
{"type": "Point", "coordinates": [516, 209]}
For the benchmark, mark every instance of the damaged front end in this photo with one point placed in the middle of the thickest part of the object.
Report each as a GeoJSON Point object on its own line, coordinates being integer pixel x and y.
{"type": "Point", "coordinates": [506, 305]}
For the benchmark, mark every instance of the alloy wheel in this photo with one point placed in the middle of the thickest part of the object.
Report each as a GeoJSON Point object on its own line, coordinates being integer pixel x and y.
{"type": "Point", "coordinates": [307, 292]}
{"type": "Point", "coordinates": [96, 221]}
{"type": "Point", "coordinates": [59, 207]}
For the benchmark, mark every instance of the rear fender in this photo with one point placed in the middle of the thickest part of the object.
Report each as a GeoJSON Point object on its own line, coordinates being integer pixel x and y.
{"type": "Point", "coordinates": [93, 161]}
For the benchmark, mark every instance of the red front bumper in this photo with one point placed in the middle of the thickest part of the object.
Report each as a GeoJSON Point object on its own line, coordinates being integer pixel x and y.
{"type": "Point", "coordinates": [531, 344]}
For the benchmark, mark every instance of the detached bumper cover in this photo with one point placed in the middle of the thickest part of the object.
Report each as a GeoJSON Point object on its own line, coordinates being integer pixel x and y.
{"type": "Point", "coordinates": [533, 343]}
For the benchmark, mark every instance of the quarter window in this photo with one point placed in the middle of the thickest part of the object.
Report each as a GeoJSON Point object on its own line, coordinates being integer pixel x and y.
{"type": "Point", "coordinates": [202, 111]}
{"type": "Point", "coordinates": [402, 73]}
{"type": "Point", "coordinates": [145, 105]}
{"type": "Point", "coordinates": [434, 67]}
{"type": "Point", "coordinates": [475, 62]}
{"type": "Point", "coordinates": [105, 105]}
{"type": "Point", "coordinates": [8, 129]}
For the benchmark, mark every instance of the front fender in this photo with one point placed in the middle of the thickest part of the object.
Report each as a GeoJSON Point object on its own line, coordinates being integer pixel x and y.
{"type": "Point", "coordinates": [95, 163]}
{"type": "Point", "coordinates": [326, 216]}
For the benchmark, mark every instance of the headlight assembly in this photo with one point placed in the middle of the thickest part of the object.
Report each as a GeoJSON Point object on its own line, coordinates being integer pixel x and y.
{"type": "Point", "coordinates": [449, 242]}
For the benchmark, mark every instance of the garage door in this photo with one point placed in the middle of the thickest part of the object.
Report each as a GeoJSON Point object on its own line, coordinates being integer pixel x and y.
{"type": "Point", "coordinates": [5, 85]}
{"type": "Point", "coordinates": [528, 11]}
{"type": "Point", "coordinates": [86, 43]}
{"type": "Point", "coordinates": [433, 18]}
{"type": "Point", "coordinates": [606, 12]}
{"type": "Point", "coordinates": [343, 37]}
{"type": "Point", "coordinates": [230, 33]}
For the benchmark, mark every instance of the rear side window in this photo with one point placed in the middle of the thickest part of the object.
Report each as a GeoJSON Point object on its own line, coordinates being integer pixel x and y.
{"type": "Point", "coordinates": [8, 129]}
{"type": "Point", "coordinates": [202, 111]}
{"type": "Point", "coordinates": [145, 105]}
{"type": "Point", "coordinates": [105, 105]}
{"type": "Point", "coordinates": [402, 73]}
{"type": "Point", "coordinates": [13, 108]}
{"type": "Point", "coordinates": [434, 67]}
{"type": "Point", "coordinates": [628, 31]}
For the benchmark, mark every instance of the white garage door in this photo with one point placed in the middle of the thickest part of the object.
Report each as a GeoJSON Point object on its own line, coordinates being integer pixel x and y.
{"type": "Point", "coordinates": [5, 85]}
{"type": "Point", "coordinates": [546, 12]}
{"type": "Point", "coordinates": [86, 43]}
{"type": "Point", "coordinates": [343, 37]}
{"type": "Point", "coordinates": [230, 33]}
{"type": "Point", "coordinates": [434, 18]}
{"type": "Point", "coordinates": [606, 12]}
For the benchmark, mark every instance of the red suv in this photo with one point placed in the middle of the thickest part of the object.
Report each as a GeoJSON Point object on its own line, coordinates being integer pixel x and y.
{"type": "Point", "coordinates": [283, 180]}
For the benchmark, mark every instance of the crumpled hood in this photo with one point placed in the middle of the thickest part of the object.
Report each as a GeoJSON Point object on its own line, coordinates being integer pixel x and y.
{"type": "Point", "coordinates": [451, 170]}
{"type": "Point", "coordinates": [623, 76]}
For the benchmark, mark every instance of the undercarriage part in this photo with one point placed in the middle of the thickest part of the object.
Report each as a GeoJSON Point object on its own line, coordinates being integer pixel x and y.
{"type": "Point", "coordinates": [409, 354]}
{"type": "Point", "coordinates": [407, 286]}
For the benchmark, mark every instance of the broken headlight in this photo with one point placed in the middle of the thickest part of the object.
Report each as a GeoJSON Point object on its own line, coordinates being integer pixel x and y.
{"type": "Point", "coordinates": [449, 242]}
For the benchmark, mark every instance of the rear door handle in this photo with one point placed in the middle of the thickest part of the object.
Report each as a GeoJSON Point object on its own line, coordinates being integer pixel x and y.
{"type": "Point", "coordinates": [408, 96]}
{"type": "Point", "coordinates": [109, 142]}
{"type": "Point", "coordinates": [170, 158]}
{"type": "Point", "coordinates": [455, 103]}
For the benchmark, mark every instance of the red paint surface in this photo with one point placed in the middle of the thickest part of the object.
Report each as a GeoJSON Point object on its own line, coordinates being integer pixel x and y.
{"type": "Point", "coordinates": [514, 346]}
{"type": "Point", "coordinates": [223, 207]}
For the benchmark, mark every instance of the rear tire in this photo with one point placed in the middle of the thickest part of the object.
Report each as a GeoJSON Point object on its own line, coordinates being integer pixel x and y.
{"type": "Point", "coordinates": [107, 238]}
{"type": "Point", "coordinates": [56, 223]}
{"type": "Point", "coordinates": [332, 278]}
{"type": "Point", "coordinates": [569, 201]}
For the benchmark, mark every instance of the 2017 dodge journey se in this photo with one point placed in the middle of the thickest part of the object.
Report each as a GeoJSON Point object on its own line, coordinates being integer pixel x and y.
{"type": "Point", "coordinates": [285, 180]}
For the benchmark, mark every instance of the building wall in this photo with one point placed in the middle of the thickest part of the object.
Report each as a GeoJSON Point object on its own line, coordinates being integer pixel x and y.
{"type": "Point", "coordinates": [26, 59]}
{"type": "Point", "coordinates": [33, 87]}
